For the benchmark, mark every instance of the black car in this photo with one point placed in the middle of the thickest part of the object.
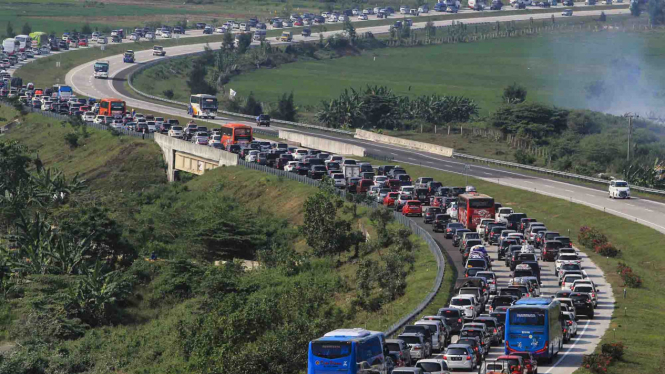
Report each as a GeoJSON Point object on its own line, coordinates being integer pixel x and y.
{"type": "Point", "coordinates": [431, 213]}
{"type": "Point", "coordinates": [505, 245]}
{"type": "Point", "coordinates": [440, 222]}
{"type": "Point", "coordinates": [583, 304]}
{"type": "Point", "coordinates": [544, 4]}
{"type": "Point", "coordinates": [317, 171]}
{"type": "Point", "coordinates": [502, 300]}
{"type": "Point", "coordinates": [200, 25]}
{"type": "Point", "coordinates": [454, 318]}
{"type": "Point", "coordinates": [63, 45]}
{"type": "Point", "coordinates": [513, 220]}
{"type": "Point", "coordinates": [263, 120]}
{"type": "Point", "coordinates": [496, 5]}
{"type": "Point", "coordinates": [234, 148]}
{"type": "Point", "coordinates": [568, 3]}
{"type": "Point", "coordinates": [451, 228]}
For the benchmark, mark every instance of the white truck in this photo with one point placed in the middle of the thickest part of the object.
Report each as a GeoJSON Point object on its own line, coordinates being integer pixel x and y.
{"type": "Point", "coordinates": [101, 69]}
{"type": "Point", "coordinates": [351, 171]}
{"type": "Point", "coordinates": [619, 189]}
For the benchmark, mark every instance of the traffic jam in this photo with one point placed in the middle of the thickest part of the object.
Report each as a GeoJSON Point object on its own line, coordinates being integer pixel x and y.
{"type": "Point", "coordinates": [521, 297]}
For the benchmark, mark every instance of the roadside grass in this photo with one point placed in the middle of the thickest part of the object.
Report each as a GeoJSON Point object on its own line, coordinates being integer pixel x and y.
{"type": "Point", "coordinates": [43, 72]}
{"type": "Point", "coordinates": [109, 163]}
{"type": "Point", "coordinates": [636, 319]}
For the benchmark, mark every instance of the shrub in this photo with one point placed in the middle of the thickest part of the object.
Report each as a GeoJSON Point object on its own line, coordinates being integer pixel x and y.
{"type": "Point", "coordinates": [629, 278]}
{"type": "Point", "coordinates": [591, 237]}
{"type": "Point", "coordinates": [597, 363]}
{"type": "Point", "coordinates": [613, 350]}
{"type": "Point", "coordinates": [607, 250]}
{"type": "Point", "coordinates": [72, 140]}
{"type": "Point", "coordinates": [168, 94]}
{"type": "Point", "coordinates": [524, 158]}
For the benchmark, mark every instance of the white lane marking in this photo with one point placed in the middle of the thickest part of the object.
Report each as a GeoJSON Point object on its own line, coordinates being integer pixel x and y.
{"type": "Point", "coordinates": [569, 348]}
{"type": "Point", "coordinates": [487, 173]}
{"type": "Point", "coordinates": [588, 194]}
{"type": "Point", "coordinates": [569, 191]}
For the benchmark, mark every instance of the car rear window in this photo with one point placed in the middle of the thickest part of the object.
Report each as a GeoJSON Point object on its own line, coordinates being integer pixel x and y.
{"type": "Point", "coordinates": [583, 289]}
{"type": "Point", "coordinates": [393, 347]}
{"type": "Point", "coordinates": [448, 313]}
{"type": "Point", "coordinates": [456, 351]}
{"type": "Point", "coordinates": [460, 302]}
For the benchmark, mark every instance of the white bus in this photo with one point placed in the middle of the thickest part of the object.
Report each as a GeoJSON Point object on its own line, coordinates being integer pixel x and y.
{"type": "Point", "coordinates": [24, 41]}
{"type": "Point", "coordinates": [203, 106]}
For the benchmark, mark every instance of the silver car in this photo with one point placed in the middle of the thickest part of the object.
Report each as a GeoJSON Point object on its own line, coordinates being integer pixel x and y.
{"type": "Point", "coordinates": [460, 356]}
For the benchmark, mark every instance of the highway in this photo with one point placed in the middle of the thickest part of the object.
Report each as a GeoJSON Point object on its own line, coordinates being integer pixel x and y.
{"type": "Point", "coordinates": [589, 331]}
{"type": "Point", "coordinates": [80, 78]}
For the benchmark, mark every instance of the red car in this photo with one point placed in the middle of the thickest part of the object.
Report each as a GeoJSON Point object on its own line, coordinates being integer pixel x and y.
{"type": "Point", "coordinates": [297, 23]}
{"type": "Point", "coordinates": [83, 43]}
{"type": "Point", "coordinates": [412, 207]}
{"type": "Point", "coordinates": [390, 198]}
{"type": "Point", "coordinates": [364, 185]}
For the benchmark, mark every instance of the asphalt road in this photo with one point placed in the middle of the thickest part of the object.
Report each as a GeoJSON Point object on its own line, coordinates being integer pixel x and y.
{"type": "Point", "coordinates": [589, 331]}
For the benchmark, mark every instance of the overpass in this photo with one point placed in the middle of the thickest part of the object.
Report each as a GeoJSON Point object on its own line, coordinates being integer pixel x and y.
{"type": "Point", "coordinates": [183, 155]}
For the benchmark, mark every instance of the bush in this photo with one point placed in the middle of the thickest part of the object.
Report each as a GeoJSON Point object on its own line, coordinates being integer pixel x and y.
{"type": "Point", "coordinates": [168, 94]}
{"type": "Point", "coordinates": [613, 350]}
{"type": "Point", "coordinates": [629, 278]}
{"type": "Point", "coordinates": [597, 363]}
{"type": "Point", "coordinates": [607, 250]}
{"type": "Point", "coordinates": [72, 140]}
{"type": "Point", "coordinates": [591, 237]}
{"type": "Point", "coordinates": [524, 158]}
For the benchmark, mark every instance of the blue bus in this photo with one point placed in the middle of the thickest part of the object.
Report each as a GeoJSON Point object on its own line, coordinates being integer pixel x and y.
{"type": "Point", "coordinates": [64, 92]}
{"type": "Point", "coordinates": [534, 325]}
{"type": "Point", "coordinates": [347, 351]}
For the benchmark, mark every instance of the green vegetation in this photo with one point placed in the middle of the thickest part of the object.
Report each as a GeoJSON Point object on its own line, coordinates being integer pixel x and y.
{"type": "Point", "coordinates": [635, 316]}
{"type": "Point", "coordinates": [152, 272]}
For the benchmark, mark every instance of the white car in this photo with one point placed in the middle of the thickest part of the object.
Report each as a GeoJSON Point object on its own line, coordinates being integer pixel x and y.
{"type": "Point", "coordinates": [338, 179]}
{"type": "Point", "coordinates": [291, 166]}
{"type": "Point", "coordinates": [568, 281]}
{"type": "Point", "coordinates": [342, 18]}
{"type": "Point", "coordinates": [46, 106]}
{"type": "Point", "coordinates": [99, 120]}
{"type": "Point", "coordinates": [569, 303]}
{"type": "Point", "coordinates": [220, 30]}
{"type": "Point", "coordinates": [102, 40]}
{"type": "Point", "coordinates": [570, 322]}
{"type": "Point", "coordinates": [460, 356]}
{"type": "Point", "coordinates": [149, 35]}
{"type": "Point", "coordinates": [88, 117]}
{"type": "Point", "coordinates": [452, 211]}
{"type": "Point", "coordinates": [253, 156]}
{"type": "Point", "coordinates": [133, 37]}
{"type": "Point", "coordinates": [300, 154]}
{"type": "Point", "coordinates": [362, 17]}
{"type": "Point", "coordinates": [176, 132]}
{"type": "Point", "coordinates": [619, 190]}
{"type": "Point", "coordinates": [466, 303]}
{"type": "Point", "coordinates": [166, 34]}
{"type": "Point", "coordinates": [215, 141]}
{"type": "Point", "coordinates": [159, 121]}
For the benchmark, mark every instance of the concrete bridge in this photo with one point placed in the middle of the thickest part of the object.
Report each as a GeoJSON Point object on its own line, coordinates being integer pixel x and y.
{"type": "Point", "coordinates": [186, 156]}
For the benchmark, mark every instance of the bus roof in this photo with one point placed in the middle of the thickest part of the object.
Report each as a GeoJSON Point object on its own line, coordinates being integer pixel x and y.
{"type": "Point", "coordinates": [470, 196]}
{"type": "Point", "coordinates": [352, 335]}
{"type": "Point", "coordinates": [235, 125]}
{"type": "Point", "coordinates": [204, 96]}
{"type": "Point", "coordinates": [544, 301]}
{"type": "Point", "coordinates": [111, 99]}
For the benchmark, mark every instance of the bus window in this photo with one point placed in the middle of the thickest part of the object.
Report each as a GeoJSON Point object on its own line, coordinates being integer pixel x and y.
{"type": "Point", "coordinates": [331, 350]}
{"type": "Point", "coordinates": [528, 318]}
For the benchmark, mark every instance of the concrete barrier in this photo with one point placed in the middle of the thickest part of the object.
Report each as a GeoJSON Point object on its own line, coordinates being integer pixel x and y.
{"type": "Point", "coordinates": [327, 145]}
{"type": "Point", "coordinates": [171, 145]}
{"type": "Point", "coordinates": [385, 139]}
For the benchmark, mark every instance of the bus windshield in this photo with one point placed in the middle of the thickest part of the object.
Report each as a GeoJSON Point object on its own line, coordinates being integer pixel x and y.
{"type": "Point", "coordinates": [481, 203]}
{"type": "Point", "coordinates": [331, 350]}
{"type": "Point", "coordinates": [101, 67]}
{"type": "Point", "coordinates": [242, 132]}
{"type": "Point", "coordinates": [527, 317]}
{"type": "Point", "coordinates": [117, 105]}
{"type": "Point", "coordinates": [209, 103]}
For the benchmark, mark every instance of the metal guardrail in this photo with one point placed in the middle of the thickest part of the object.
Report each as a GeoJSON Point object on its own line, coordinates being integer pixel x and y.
{"type": "Point", "coordinates": [551, 172]}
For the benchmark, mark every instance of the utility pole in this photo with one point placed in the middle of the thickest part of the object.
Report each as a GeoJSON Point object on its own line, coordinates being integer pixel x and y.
{"type": "Point", "coordinates": [630, 117]}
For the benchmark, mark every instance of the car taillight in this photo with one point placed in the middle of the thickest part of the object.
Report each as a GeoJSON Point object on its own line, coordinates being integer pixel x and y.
{"type": "Point", "coordinates": [445, 357]}
{"type": "Point", "coordinates": [495, 331]}
{"type": "Point", "coordinates": [459, 320]}
{"type": "Point", "coordinates": [564, 330]}
{"type": "Point", "coordinates": [471, 308]}
{"type": "Point", "coordinates": [569, 323]}
{"type": "Point", "coordinates": [416, 348]}
{"type": "Point", "coordinates": [475, 348]}
{"type": "Point", "coordinates": [593, 295]}
{"type": "Point", "coordinates": [468, 357]}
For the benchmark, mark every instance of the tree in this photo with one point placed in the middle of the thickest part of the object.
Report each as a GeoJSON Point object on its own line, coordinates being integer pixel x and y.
{"type": "Point", "coordinates": [582, 123]}
{"type": "Point", "coordinates": [350, 31]}
{"type": "Point", "coordinates": [635, 9]}
{"type": "Point", "coordinates": [10, 30]}
{"type": "Point", "coordinates": [514, 94]}
{"type": "Point", "coordinates": [430, 30]}
{"type": "Point", "coordinates": [252, 107]}
{"type": "Point", "coordinates": [286, 109]}
{"type": "Point", "coordinates": [381, 217]}
{"type": "Point", "coordinates": [86, 29]}
{"type": "Point", "coordinates": [244, 40]}
{"type": "Point", "coordinates": [197, 79]}
{"type": "Point", "coordinates": [228, 41]}
{"type": "Point", "coordinates": [602, 17]}
{"type": "Point", "coordinates": [323, 231]}
{"type": "Point", "coordinates": [26, 30]}
{"type": "Point", "coordinates": [656, 12]}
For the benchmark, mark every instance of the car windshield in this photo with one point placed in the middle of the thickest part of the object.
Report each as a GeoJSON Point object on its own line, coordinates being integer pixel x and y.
{"type": "Point", "coordinates": [621, 184]}
{"type": "Point", "coordinates": [429, 366]}
{"type": "Point", "coordinates": [460, 302]}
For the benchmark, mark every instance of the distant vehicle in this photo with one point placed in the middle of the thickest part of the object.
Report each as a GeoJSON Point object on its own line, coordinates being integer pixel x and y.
{"type": "Point", "coordinates": [101, 69]}
{"type": "Point", "coordinates": [287, 36]}
{"type": "Point", "coordinates": [263, 120]}
{"type": "Point", "coordinates": [128, 57]}
{"type": "Point", "coordinates": [158, 50]}
{"type": "Point", "coordinates": [619, 190]}
{"type": "Point", "coordinates": [476, 5]}
{"type": "Point", "coordinates": [203, 106]}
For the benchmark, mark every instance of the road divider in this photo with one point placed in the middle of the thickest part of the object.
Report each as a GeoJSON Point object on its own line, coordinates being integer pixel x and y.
{"type": "Point", "coordinates": [418, 146]}
{"type": "Point", "coordinates": [323, 144]}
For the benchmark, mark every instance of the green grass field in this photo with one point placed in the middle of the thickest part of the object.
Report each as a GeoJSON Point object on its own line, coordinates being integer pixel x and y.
{"type": "Point", "coordinates": [554, 69]}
